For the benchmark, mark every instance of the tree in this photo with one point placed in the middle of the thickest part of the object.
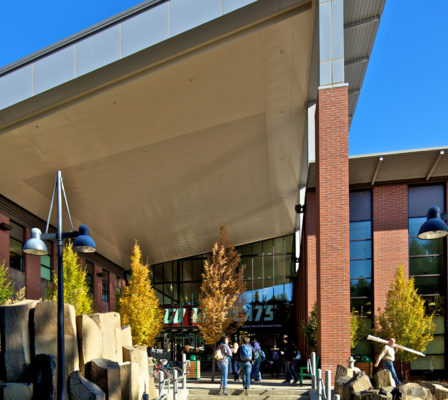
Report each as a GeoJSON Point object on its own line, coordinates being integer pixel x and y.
{"type": "Point", "coordinates": [354, 329]}
{"type": "Point", "coordinates": [139, 304]}
{"type": "Point", "coordinates": [76, 289]}
{"type": "Point", "coordinates": [6, 285]}
{"type": "Point", "coordinates": [404, 317]}
{"type": "Point", "coordinates": [310, 329]}
{"type": "Point", "coordinates": [221, 304]}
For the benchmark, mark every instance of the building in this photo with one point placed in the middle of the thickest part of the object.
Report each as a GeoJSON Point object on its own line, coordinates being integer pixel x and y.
{"type": "Point", "coordinates": [176, 116]}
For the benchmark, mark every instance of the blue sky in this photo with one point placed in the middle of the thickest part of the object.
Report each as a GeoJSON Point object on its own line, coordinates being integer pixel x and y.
{"type": "Point", "coordinates": [403, 102]}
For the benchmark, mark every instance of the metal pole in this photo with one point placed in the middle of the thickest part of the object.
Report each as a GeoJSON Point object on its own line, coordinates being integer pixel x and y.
{"type": "Point", "coordinates": [184, 371]}
{"type": "Point", "coordinates": [319, 386]}
{"type": "Point", "coordinates": [161, 384]}
{"type": "Point", "coordinates": [61, 345]}
{"type": "Point", "coordinates": [328, 384]}
{"type": "Point", "coordinates": [313, 370]}
{"type": "Point", "coordinates": [175, 385]}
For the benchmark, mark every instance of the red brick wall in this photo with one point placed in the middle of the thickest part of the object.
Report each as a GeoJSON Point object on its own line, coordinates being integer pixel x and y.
{"type": "Point", "coordinates": [32, 273]}
{"type": "Point", "coordinates": [390, 238]}
{"type": "Point", "coordinates": [97, 288]}
{"type": "Point", "coordinates": [333, 246]}
{"type": "Point", "coordinates": [311, 253]}
{"type": "Point", "coordinates": [4, 242]}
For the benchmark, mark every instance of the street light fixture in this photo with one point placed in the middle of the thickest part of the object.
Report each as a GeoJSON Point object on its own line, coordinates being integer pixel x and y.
{"type": "Point", "coordinates": [435, 227]}
{"type": "Point", "coordinates": [36, 246]}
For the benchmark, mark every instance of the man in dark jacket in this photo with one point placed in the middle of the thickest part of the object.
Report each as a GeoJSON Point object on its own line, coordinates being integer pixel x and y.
{"type": "Point", "coordinates": [289, 351]}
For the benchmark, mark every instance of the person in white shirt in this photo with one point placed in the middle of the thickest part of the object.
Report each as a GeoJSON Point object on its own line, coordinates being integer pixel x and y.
{"type": "Point", "coordinates": [388, 357]}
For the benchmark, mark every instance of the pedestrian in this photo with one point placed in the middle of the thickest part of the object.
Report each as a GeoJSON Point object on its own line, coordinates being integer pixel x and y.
{"type": "Point", "coordinates": [388, 357]}
{"type": "Point", "coordinates": [222, 354]}
{"type": "Point", "coordinates": [259, 357]}
{"type": "Point", "coordinates": [246, 356]}
{"type": "Point", "coordinates": [275, 355]}
{"type": "Point", "coordinates": [288, 350]}
{"type": "Point", "coordinates": [236, 374]}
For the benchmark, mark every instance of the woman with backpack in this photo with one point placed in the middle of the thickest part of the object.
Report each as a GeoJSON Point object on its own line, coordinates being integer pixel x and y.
{"type": "Point", "coordinates": [222, 354]}
{"type": "Point", "coordinates": [246, 355]}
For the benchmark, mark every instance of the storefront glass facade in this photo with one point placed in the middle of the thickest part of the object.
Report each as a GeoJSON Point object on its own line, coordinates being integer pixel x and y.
{"type": "Point", "coordinates": [427, 264]}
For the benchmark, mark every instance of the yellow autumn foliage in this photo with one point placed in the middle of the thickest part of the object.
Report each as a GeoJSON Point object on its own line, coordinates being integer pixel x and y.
{"type": "Point", "coordinates": [404, 317]}
{"type": "Point", "coordinates": [139, 304]}
{"type": "Point", "coordinates": [221, 305]}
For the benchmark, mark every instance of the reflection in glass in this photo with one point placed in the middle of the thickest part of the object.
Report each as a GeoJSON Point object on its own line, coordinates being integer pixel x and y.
{"type": "Point", "coordinates": [186, 297]}
{"type": "Point", "coordinates": [361, 287]}
{"type": "Point", "coordinates": [359, 250]}
{"type": "Point", "coordinates": [268, 246]}
{"type": "Point", "coordinates": [427, 265]}
{"type": "Point", "coordinates": [167, 272]}
{"type": "Point", "coordinates": [361, 269]}
{"type": "Point", "coordinates": [414, 225]}
{"type": "Point", "coordinates": [197, 269]}
{"type": "Point", "coordinates": [257, 267]}
{"type": "Point", "coordinates": [268, 268]}
{"type": "Point", "coordinates": [289, 244]}
{"type": "Point", "coordinates": [429, 285]}
{"type": "Point", "coordinates": [425, 247]}
{"type": "Point", "coordinates": [278, 245]}
{"type": "Point", "coordinates": [279, 266]}
{"type": "Point", "coordinates": [186, 270]}
{"type": "Point", "coordinates": [195, 289]}
{"type": "Point", "coordinates": [360, 230]}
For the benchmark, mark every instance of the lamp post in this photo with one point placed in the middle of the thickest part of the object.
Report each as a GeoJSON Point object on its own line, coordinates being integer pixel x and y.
{"type": "Point", "coordinates": [435, 226]}
{"type": "Point", "coordinates": [36, 246]}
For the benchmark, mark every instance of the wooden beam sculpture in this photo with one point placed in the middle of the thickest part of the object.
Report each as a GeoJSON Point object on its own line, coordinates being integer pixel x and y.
{"type": "Point", "coordinates": [379, 340]}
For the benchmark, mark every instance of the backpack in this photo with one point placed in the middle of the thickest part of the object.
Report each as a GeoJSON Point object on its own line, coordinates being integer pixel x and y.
{"type": "Point", "coordinates": [246, 352]}
{"type": "Point", "coordinates": [262, 355]}
{"type": "Point", "coordinates": [218, 354]}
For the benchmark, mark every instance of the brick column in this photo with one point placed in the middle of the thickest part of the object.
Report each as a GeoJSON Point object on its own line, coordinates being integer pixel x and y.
{"type": "Point", "coordinates": [311, 251]}
{"type": "Point", "coordinates": [32, 273]}
{"type": "Point", "coordinates": [97, 288]}
{"type": "Point", "coordinates": [390, 238]}
{"type": "Point", "coordinates": [112, 287]}
{"type": "Point", "coordinates": [333, 243]}
{"type": "Point", "coordinates": [4, 242]}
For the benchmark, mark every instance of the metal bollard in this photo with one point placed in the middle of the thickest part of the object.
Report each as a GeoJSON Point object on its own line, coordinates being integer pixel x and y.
{"type": "Point", "coordinates": [184, 371]}
{"type": "Point", "coordinates": [328, 384]}
{"type": "Point", "coordinates": [319, 385]}
{"type": "Point", "coordinates": [161, 383]}
{"type": "Point", "coordinates": [313, 371]}
{"type": "Point", "coordinates": [175, 385]}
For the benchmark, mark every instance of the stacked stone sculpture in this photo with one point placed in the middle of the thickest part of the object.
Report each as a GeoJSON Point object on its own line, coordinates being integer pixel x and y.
{"type": "Point", "coordinates": [353, 384]}
{"type": "Point", "coordinates": [100, 360]}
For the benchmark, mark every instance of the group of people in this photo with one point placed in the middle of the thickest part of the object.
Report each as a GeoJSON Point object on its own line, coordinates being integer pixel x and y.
{"type": "Point", "coordinates": [246, 361]}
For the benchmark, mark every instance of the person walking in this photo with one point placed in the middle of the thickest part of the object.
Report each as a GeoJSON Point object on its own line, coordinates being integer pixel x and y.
{"type": "Point", "coordinates": [246, 356]}
{"type": "Point", "coordinates": [222, 354]}
{"type": "Point", "coordinates": [289, 353]}
{"type": "Point", "coordinates": [259, 357]}
{"type": "Point", "coordinates": [388, 357]}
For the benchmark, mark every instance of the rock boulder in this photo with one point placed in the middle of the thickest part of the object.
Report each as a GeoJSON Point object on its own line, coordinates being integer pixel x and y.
{"type": "Point", "coordinates": [80, 388]}
{"type": "Point", "coordinates": [383, 378]}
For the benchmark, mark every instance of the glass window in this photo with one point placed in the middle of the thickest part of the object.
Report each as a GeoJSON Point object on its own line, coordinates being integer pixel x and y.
{"type": "Point", "coordinates": [361, 268]}
{"type": "Point", "coordinates": [257, 267]}
{"type": "Point", "coordinates": [268, 267]}
{"type": "Point", "coordinates": [360, 230]}
{"type": "Point", "coordinates": [426, 265]}
{"type": "Point", "coordinates": [360, 205]}
{"type": "Point", "coordinates": [157, 272]}
{"type": "Point", "coordinates": [257, 248]}
{"type": "Point", "coordinates": [361, 250]}
{"type": "Point", "coordinates": [361, 287]}
{"type": "Point", "coordinates": [421, 198]}
{"type": "Point", "coordinates": [186, 270]}
{"type": "Point", "coordinates": [45, 267]}
{"type": "Point", "coordinates": [429, 285]}
{"type": "Point", "coordinates": [15, 254]}
{"type": "Point", "coordinates": [289, 244]}
{"type": "Point", "coordinates": [186, 297]}
{"type": "Point", "coordinates": [425, 247]}
{"type": "Point", "coordinates": [89, 276]}
{"type": "Point", "coordinates": [245, 250]}
{"type": "Point", "coordinates": [197, 269]}
{"type": "Point", "coordinates": [167, 272]}
{"type": "Point", "coordinates": [105, 295]}
{"type": "Point", "coordinates": [278, 245]}
{"type": "Point", "coordinates": [195, 291]}
{"type": "Point", "coordinates": [279, 266]}
{"type": "Point", "coordinates": [268, 246]}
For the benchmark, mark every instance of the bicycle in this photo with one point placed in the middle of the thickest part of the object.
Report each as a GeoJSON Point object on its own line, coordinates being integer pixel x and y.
{"type": "Point", "coordinates": [167, 371]}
